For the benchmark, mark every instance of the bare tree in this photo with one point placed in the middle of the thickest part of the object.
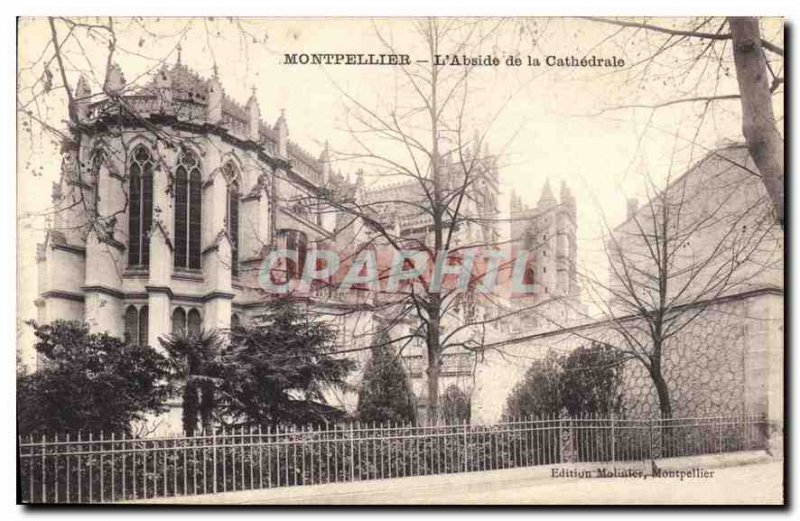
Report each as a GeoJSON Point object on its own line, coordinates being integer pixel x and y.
{"type": "Point", "coordinates": [697, 53]}
{"type": "Point", "coordinates": [424, 136]}
{"type": "Point", "coordinates": [704, 235]}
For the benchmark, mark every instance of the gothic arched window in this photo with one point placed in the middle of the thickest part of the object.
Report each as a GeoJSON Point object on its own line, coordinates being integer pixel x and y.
{"type": "Point", "coordinates": [178, 321]}
{"type": "Point", "coordinates": [136, 325]}
{"type": "Point", "coordinates": [140, 207]}
{"type": "Point", "coordinates": [131, 325]}
{"type": "Point", "coordinates": [194, 322]}
{"type": "Point", "coordinates": [297, 248]}
{"type": "Point", "coordinates": [236, 322]}
{"type": "Point", "coordinates": [187, 212]}
{"type": "Point", "coordinates": [232, 215]}
{"type": "Point", "coordinates": [143, 319]}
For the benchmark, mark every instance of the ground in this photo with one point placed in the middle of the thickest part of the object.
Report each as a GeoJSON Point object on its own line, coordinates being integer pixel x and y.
{"type": "Point", "coordinates": [742, 478]}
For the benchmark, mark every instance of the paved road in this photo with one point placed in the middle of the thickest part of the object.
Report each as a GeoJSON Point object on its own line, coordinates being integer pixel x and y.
{"type": "Point", "coordinates": [753, 480]}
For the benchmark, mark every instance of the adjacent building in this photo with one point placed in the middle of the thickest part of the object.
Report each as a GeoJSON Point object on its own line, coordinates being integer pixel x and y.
{"type": "Point", "coordinates": [724, 301]}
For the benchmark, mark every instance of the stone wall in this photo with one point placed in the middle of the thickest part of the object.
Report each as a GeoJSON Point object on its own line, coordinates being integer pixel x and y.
{"type": "Point", "coordinates": [704, 366]}
{"type": "Point", "coordinates": [726, 361]}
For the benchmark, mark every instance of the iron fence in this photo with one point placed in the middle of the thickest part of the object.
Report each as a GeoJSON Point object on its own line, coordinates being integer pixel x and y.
{"type": "Point", "coordinates": [89, 468]}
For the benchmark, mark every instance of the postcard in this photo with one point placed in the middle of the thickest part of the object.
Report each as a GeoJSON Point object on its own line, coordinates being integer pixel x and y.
{"type": "Point", "coordinates": [400, 260]}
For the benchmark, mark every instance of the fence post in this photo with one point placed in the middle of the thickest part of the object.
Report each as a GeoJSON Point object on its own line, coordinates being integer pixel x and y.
{"type": "Point", "coordinates": [44, 469]}
{"type": "Point", "coordinates": [650, 435]}
{"type": "Point", "coordinates": [102, 473]}
{"type": "Point", "coordinates": [567, 451]}
{"type": "Point", "coordinates": [352, 455]}
{"type": "Point", "coordinates": [80, 470]}
{"type": "Point", "coordinates": [214, 455]}
{"type": "Point", "coordinates": [466, 448]}
{"type": "Point", "coordinates": [113, 464]}
{"type": "Point", "coordinates": [613, 441]}
{"type": "Point", "coordinates": [67, 467]}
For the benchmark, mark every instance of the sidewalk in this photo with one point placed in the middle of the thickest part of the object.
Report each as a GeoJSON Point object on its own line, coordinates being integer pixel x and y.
{"type": "Point", "coordinates": [739, 478]}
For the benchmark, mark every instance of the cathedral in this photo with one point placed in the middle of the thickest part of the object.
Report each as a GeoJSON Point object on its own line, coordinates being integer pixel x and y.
{"type": "Point", "coordinates": [172, 194]}
{"type": "Point", "coordinates": [548, 230]}
{"type": "Point", "coordinates": [168, 199]}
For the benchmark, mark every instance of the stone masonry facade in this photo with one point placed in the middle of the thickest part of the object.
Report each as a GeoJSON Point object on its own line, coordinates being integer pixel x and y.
{"type": "Point", "coordinates": [727, 362]}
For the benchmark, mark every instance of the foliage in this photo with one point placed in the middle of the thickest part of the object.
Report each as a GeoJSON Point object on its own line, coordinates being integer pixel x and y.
{"type": "Point", "coordinates": [385, 394]}
{"type": "Point", "coordinates": [247, 459]}
{"type": "Point", "coordinates": [276, 457]}
{"type": "Point", "coordinates": [538, 394]}
{"type": "Point", "coordinates": [88, 382]}
{"type": "Point", "coordinates": [455, 406]}
{"type": "Point", "coordinates": [195, 367]}
{"type": "Point", "coordinates": [276, 370]}
{"type": "Point", "coordinates": [586, 381]}
{"type": "Point", "coordinates": [591, 378]}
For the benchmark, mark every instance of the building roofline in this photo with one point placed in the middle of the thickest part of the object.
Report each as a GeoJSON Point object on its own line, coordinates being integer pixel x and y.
{"type": "Point", "coordinates": [626, 318]}
{"type": "Point", "coordinates": [713, 153]}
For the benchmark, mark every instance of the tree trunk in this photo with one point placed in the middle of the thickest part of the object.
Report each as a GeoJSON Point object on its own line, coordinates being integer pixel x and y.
{"type": "Point", "coordinates": [207, 406]}
{"type": "Point", "coordinates": [190, 406]}
{"type": "Point", "coordinates": [434, 305]}
{"type": "Point", "coordinates": [758, 119]}
{"type": "Point", "coordinates": [434, 358]}
{"type": "Point", "coordinates": [664, 404]}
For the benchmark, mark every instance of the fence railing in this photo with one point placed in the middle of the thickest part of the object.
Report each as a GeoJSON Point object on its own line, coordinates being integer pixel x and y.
{"type": "Point", "coordinates": [88, 468]}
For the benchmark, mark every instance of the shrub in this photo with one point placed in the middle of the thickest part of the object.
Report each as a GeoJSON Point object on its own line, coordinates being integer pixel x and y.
{"type": "Point", "coordinates": [89, 382]}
